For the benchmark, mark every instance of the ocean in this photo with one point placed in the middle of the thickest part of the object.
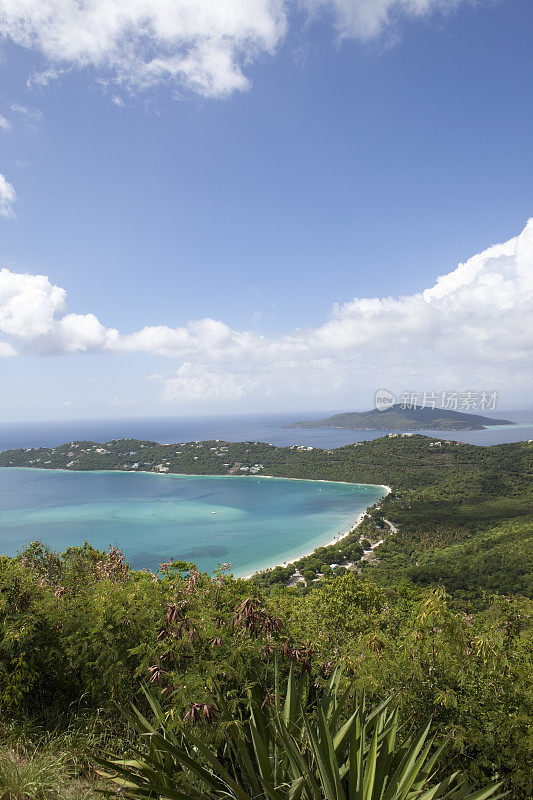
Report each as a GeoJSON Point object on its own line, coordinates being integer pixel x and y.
{"type": "Point", "coordinates": [252, 523]}
{"type": "Point", "coordinates": [254, 427]}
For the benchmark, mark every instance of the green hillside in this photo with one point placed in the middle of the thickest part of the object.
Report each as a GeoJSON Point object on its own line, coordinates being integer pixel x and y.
{"type": "Point", "coordinates": [439, 620]}
{"type": "Point", "coordinates": [405, 419]}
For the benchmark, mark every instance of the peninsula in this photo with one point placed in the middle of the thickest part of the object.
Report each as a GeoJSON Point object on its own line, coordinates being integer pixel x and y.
{"type": "Point", "coordinates": [400, 417]}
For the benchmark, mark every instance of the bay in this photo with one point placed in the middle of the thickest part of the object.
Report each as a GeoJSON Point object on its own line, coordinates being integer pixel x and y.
{"type": "Point", "coordinates": [251, 522]}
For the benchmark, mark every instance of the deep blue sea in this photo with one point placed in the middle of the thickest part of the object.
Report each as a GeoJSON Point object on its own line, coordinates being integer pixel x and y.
{"type": "Point", "coordinates": [250, 522]}
{"type": "Point", "coordinates": [255, 428]}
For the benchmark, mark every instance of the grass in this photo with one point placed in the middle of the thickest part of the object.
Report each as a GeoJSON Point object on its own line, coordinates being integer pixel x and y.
{"type": "Point", "coordinates": [35, 765]}
{"type": "Point", "coordinates": [31, 775]}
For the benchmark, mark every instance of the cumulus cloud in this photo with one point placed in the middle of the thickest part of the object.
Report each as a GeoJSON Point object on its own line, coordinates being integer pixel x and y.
{"type": "Point", "coordinates": [7, 197]}
{"type": "Point", "coordinates": [476, 314]}
{"type": "Point", "coordinates": [202, 335]}
{"type": "Point", "coordinates": [202, 45]}
{"type": "Point", "coordinates": [33, 319]}
{"type": "Point", "coordinates": [198, 382]}
{"type": "Point", "coordinates": [5, 124]}
{"type": "Point", "coordinates": [473, 324]}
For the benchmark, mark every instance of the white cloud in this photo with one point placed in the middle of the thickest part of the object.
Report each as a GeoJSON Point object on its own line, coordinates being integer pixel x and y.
{"type": "Point", "coordinates": [201, 45]}
{"type": "Point", "coordinates": [197, 336]}
{"type": "Point", "coordinates": [7, 350]}
{"type": "Point", "coordinates": [198, 382]}
{"type": "Point", "coordinates": [33, 319]}
{"type": "Point", "coordinates": [32, 115]}
{"type": "Point", "coordinates": [5, 124]}
{"type": "Point", "coordinates": [44, 77]}
{"type": "Point", "coordinates": [7, 197]}
{"type": "Point", "coordinates": [366, 19]}
{"type": "Point", "coordinates": [472, 325]}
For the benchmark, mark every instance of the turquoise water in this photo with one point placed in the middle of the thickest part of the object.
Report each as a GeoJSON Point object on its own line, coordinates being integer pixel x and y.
{"type": "Point", "coordinates": [251, 522]}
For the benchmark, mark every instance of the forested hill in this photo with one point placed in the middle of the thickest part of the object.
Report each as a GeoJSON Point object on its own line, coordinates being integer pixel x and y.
{"type": "Point", "coordinates": [402, 418]}
{"type": "Point", "coordinates": [403, 462]}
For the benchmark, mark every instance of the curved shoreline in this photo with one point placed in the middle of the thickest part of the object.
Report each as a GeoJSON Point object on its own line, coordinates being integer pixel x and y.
{"type": "Point", "coordinates": [337, 538]}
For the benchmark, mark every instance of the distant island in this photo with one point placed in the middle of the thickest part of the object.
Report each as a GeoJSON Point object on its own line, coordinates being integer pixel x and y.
{"type": "Point", "coordinates": [406, 419]}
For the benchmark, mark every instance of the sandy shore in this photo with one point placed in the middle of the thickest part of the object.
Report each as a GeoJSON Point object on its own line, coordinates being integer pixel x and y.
{"type": "Point", "coordinates": [335, 539]}
{"type": "Point", "coordinates": [284, 564]}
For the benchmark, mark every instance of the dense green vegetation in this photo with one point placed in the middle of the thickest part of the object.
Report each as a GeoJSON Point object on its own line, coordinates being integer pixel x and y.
{"type": "Point", "coordinates": [304, 744]}
{"type": "Point", "coordinates": [441, 618]}
{"type": "Point", "coordinates": [81, 632]}
{"type": "Point", "coordinates": [462, 512]}
{"type": "Point", "coordinates": [404, 418]}
{"type": "Point", "coordinates": [404, 463]}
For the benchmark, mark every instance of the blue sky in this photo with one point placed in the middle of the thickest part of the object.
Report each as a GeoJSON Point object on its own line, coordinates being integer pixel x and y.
{"type": "Point", "coordinates": [363, 158]}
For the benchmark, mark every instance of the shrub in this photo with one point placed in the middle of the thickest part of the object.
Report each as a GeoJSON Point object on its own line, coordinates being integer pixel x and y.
{"type": "Point", "coordinates": [305, 747]}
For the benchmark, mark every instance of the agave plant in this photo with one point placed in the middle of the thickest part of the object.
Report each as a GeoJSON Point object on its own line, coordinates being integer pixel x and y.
{"type": "Point", "coordinates": [298, 748]}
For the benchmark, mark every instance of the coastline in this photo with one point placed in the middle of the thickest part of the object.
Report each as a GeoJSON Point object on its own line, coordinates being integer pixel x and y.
{"type": "Point", "coordinates": [197, 475]}
{"type": "Point", "coordinates": [337, 538]}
